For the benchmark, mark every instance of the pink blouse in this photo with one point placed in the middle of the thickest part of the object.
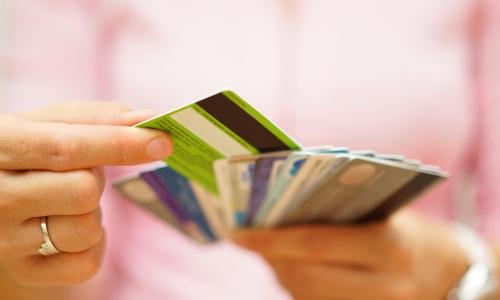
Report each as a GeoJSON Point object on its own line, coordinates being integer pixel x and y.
{"type": "Point", "coordinates": [420, 78]}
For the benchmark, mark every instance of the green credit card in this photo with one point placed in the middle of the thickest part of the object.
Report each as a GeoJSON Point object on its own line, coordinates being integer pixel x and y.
{"type": "Point", "coordinates": [220, 126]}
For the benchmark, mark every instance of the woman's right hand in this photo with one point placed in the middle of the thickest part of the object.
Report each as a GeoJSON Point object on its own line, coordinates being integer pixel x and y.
{"type": "Point", "coordinates": [49, 167]}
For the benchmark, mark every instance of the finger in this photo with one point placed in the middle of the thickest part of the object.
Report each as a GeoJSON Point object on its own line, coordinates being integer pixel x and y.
{"type": "Point", "coordinates": [58, 147]}
{"type": "Point", "coordinates": [57, 270]}
{"type": "Point", "coordinates": [26, 195]}
{"type": "Point", "coordinates": [363, 244]}
{"type": "Point", "coordinates": [317, 281]}
{"type": "Point", "coordinates": [90, 112]}
{"type": "Point", "coordinates": [69, 234]}
{"type": "Point", "coordinates": [101, 174]}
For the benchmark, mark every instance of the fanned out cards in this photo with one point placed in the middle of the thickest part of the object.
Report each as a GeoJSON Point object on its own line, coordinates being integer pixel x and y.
{"type": "Point", "coordinates": [231, 167]}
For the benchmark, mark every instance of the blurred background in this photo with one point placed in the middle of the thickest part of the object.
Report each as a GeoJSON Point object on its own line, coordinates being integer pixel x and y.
{"type": "Point", "coordinates": [3, 29]}
{"type": "Point", "coordinates": [393, 76]}
{"type": "Point", "coordinates": [418, 78]}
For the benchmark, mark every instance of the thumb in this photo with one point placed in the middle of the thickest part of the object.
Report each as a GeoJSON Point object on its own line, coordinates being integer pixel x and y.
{"type": "Point", "coordinates": [89, 112]}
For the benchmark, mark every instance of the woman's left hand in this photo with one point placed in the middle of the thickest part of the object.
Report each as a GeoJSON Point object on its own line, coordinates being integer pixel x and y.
{"type": "Point", "coordinates": [406, 257]}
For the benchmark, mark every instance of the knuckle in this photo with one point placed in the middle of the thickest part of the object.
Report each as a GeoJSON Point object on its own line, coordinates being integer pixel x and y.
{"type": "Point", "coordinates": [120, 143]}
{"type": "Point", "coordinates": [9, 195]}
{"type": "Point", "coordinates": [62, 150]}
{"type": "Point", "coordinates": [87, 190]}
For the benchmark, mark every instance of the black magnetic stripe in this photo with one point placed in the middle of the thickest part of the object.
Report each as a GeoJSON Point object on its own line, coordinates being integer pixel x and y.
{"type": "Point", "coordinates": [402, 197]}
{"type": "Point", "coordinates": [241, 123]}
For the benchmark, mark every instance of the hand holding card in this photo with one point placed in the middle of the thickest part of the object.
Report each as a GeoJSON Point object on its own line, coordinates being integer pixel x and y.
{"type": "Point", "coordinates": [389, 259]}
{"type": "Point", "coordinates": [231, 167]}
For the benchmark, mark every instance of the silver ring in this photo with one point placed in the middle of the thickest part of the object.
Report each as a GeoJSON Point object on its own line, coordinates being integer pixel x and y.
{"type": "Point", "coordinates": [47, 247]}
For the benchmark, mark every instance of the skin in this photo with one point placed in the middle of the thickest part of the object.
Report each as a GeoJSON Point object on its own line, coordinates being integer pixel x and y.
{"type": "Point", "coordinates": [51, 164]}
{"type": "Point", "coordinates": [53, 167]}
{"type": "Point", "coordinates": [406, 257]}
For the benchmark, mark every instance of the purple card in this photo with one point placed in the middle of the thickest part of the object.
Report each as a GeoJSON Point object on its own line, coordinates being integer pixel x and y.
{"type": "Point", "coordinates": [260, 183]}
{"type": "Point", "coordinates": [189, 226]}
{"type": "Point", "coordinates": [166, 198]}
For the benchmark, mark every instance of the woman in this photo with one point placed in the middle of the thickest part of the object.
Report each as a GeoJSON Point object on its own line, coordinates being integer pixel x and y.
{"type": "Point", "coordinates": [413, 77]}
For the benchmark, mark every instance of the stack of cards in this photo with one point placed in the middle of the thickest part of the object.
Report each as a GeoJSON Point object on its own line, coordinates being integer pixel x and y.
{"type": "Point", "coordinates": [232, 167]}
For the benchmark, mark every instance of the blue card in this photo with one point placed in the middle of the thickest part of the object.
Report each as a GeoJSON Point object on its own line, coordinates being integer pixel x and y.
{"type": "Point", "coordinates": [187, 224]}
{"type": "Point", "coordinates": [180, 188]}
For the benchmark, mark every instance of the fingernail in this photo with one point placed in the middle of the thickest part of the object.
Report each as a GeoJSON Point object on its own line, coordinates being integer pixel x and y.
{"type": "Point", "coordinates": [160, 147]}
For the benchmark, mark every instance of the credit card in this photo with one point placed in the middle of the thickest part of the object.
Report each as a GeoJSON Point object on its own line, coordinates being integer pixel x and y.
{"type": "Point", "coordinates": [322, 171]}
{"type": "Point", "coordinates": [190, 227]}
{"type": "Point", "coordinates": [290, 168]}
{"type": "Point", "coordinates": [392, 175]}
{"type": "Point", "coordinates": [222, 125]}
{"type": "Point", "coordinates": [391, 157]}
{"type": "Point", "coordinates": [212, 208]}
{"type": "Point", "coordinates": [290, 186]}
{"type": "Point", "coordinates": [275, 171]}
{"type": "Point", "coordinates": [354, 191]}
{"type": "Point", "coordinates": [241, 174]}
{"type": "Point", "coordinates": [234, 176]}
{"type": "Point", "coordinates": [261, 182]}
{"type": "Point", "coordinates": [304, 177]}
{"type": "Point", "coordinates": [221, 172]}
{"type": "Point", "coordinates": [369, 153]}
{"type": "Point", "coordinates": [135, 189]}
{"type": "Point", "coordinates": [340, 185]}
{"type": "Point", "coordinates": [231, 167]}
{"type": "Point", "coordinates": [180, 189]}
{"type": "Point", "coordinates": [417, 186]}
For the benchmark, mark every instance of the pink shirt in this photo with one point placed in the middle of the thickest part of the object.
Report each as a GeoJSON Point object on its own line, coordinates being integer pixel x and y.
{"type": "Point", "coordinates": [420, 78]}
